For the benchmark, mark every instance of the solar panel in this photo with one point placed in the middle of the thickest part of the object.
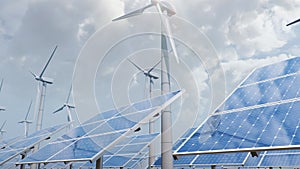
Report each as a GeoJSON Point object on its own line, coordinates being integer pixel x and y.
{"type": "Point", "coordinates": [95, 137]}
{"type": "Point", "coordinates": [7, 142]}
{"type": "Point", "coordinates": [261, 114]}
{"type": "Point", "coordinates": [282, 158]}
{"type": "Point", "coordinates": [126, 153]}
{"type": "Point", "coordinates": [23, 145]}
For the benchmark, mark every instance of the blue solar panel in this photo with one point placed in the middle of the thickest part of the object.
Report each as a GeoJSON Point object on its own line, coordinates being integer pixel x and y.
{"type": "Point", "coordinates": [124, 154]}
{"type": "Point", "coordinates": [96, 136]}
{"type": "Point", "coordinates": [274, 70]}
{"type": "Point", "coordinates": [282, 158]}
{"type": "Point", "coordinates": [22, 145]}
{"type": "Point", "coordinates": [261, 114]}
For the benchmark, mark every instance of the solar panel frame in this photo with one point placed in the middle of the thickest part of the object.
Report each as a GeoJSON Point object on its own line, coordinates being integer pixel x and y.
{"type": "Point", "coordinates": [290, 73]}
{"type": "Point", "coordinates": [160, 102]}
{"type": "Point", "coordinates": [10, 152]}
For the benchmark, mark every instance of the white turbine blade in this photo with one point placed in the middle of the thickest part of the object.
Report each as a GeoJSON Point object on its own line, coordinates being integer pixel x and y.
{"type": "Point", "coordinates": [135, 65]}
{"type": "Point", "coordinates": [3, 125]}
{"type": "Point", "coordinates": [153, 67]}
{"type": "Point", "coordinates": [166, 25]}
{"type": "Point", "coordinates": [298, 20]}
{"type": "Point", "coordinates": [69, 94]}
{"type": "Point", "coordinates": [28, 110]}
{"type": "Point", "coordinates": [170, 36]}
{"type": "Point", "coordinates": [1, 85]}
{"type": "Point", "coordinates": [133, 13]}
{"type": "Point", "coordinates": [45, 67]}
{"type": "Point", "coordinates": [59, 109]}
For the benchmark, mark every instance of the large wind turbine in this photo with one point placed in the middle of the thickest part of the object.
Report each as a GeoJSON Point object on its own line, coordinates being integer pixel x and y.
{"type": "Point", "coordinates": [1, 107]}
{"type": "Point", "coordinates": [147, 74]}
{"type": "Point", "coordinates": [1, 129]}
{"type": "Point", "coordinates": [44, 81]}
{"type": "Point", "coordinates": [166, 119]}
{"type": "Point", "coordinates": [26, 122]}
{"type": "Point", "coordinates": [298, 20]}
{"type": "Point", "coordinates": [68, 106]}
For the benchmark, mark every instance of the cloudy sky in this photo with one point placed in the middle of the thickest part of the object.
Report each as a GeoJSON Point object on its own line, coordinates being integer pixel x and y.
{"type": "Point", "coordinates": [244, 35]}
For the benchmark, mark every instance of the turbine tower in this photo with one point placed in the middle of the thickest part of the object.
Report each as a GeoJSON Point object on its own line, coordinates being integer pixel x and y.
{"type": "Point", "coordinates": [43, 81]}
{"type": "Point", "coordinates": [166, 120]}
{"type": "Point", "coordinates": [26, 122]}
{"type": "Point", "coordinates": [148, 74]}
{"type": "Point", "coordinates": [1, 129]}
{"type": "Point", "coordinates": [1, 107]}
{"type": "Point", "coordinates": [298, 20]}
{"type": "Point", "coordinates": [68, 107]}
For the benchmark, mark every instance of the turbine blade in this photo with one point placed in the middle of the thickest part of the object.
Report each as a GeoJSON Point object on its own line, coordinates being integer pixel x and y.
{"type": "Point", "coordinates": [298, 20]}
{"type": "Point", "coordinates": [60, 109]}
{"type": "Point", "coordinates": [1, 85]}
{"type": "Point", "coordinates": [43, 71]}
{"type": "Point", "coordinates": [172, 42]}
{"type": "Point", "coordinates": [166, 25]}
{"type": "Point", "coordinates": [154, 67]}
{"type": "Point", "coordinates": [34, 75]}
{"type": "Point", "coordinates": [139, 68]}
{"type": "Point", "coordinates": [28, 110]}
{"type": "Point", "coordinates": [3, 125]}
{"type": "Point", "coordinates": [133, 13]}
{"type": "Point", "coordinates": [69, 94]}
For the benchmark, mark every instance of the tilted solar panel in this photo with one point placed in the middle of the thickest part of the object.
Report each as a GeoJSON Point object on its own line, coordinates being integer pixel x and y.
{"type": "Point", "coordinates": [23, 145]}
{"type": "Point", "coordinates": [95, 137]}
{"type": "Point", "coordinates": [261, 114]}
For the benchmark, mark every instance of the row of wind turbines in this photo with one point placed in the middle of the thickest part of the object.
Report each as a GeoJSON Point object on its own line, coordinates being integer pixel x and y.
{"type": "Point", "coordinates": [40, 98]}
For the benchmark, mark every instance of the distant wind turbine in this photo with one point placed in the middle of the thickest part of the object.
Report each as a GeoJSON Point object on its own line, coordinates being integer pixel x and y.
{"type": "Point", "coordinates": [68, 107]}
{"type": "Point", "coordinates": [1, 129]}
{"type": "Point", "coordinates": [1, 107]}
{"type": "Point", "coordinates": [147, 74]}
{"type": "Point", "coordinates": [298, 20]}
{"type": "Point", "coordinates": [166, 118]}
{"type": "Point", "coordinates": [26, 122]}
{"type": "Point", "coordinates": [44, 81]}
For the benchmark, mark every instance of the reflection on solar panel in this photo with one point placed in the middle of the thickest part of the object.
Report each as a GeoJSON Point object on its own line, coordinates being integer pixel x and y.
{"type": "Point", "coordinates": [261, 114]}
{"type": "Point", "coordinates": [125, 154]}
{"type": "Point", "coordinates": [96, 136]}
{"type": "Point", "coordinates": [282, 158]}
{"type": "Point", "coordinates": [6, 143]}
{"type": "Point", "coordinates": [22, 146]}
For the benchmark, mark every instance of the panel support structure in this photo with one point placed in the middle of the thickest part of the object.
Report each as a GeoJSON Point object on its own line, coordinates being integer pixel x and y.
{"type": "Point", "coordinates": [99, 163]}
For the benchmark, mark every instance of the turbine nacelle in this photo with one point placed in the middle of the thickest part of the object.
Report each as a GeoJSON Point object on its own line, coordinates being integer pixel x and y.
{"type": "Point", "coordinates": [44, 79]}
{"type": "Point", "coordinates": [25, 121]}
{"type": "Point", "coordinates": [69, 105]}
{"type": "Point", "coordinates": [2, 108]}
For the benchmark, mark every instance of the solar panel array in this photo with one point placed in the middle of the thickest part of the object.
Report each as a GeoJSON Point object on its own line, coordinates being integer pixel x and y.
{"type": "Point", "coordinates": [21, 146]}
{"type": "Point", "coordinates": [96, 136]}
{"type": "Point", "coordinates": [126, 153]}
{"type": "Point", "coordinates": [261, 114]}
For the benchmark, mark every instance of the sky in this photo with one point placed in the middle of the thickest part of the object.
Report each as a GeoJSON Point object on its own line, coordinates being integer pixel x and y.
{"type": "Point", "coordinates": [219, 43]}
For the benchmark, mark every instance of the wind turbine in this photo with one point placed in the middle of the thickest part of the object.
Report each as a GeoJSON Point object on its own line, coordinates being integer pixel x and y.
{"type": "Point", "coordinates": [1, 129]}
{"type": "Point", "coordinates": [298, 20]}
{"type": "Point", "coordinates": [166, 119]}
{"type": "Point", "coordinates": [1, 107]}
{"type": "Point", "coordinates": [68, 106]}
{"type": "Point", "coordinates": [147, 74]}
{"type": "Point", "coordinates": [26, 122]}
{"type": "Point", "coordinates": [44, 81]}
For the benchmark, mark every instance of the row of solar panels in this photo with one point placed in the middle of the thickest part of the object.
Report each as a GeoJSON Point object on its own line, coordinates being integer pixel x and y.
{"type": "Point", "coordinates": [105, 136]}
{"type": "Point", "coordinates": [260, 116]}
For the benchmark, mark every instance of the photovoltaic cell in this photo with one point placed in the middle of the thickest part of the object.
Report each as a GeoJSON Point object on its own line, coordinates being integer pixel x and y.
{"type": "Point", "coordinates": [282, 158]}
{"type": "Point", "coordinates": [23, 145]}
{"type": "Point", "coordinates": [261, 114]}
{"type": "Point", "coordinates": [97, 135]}
{"type": "Point", "coordinates": [124, 154]}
